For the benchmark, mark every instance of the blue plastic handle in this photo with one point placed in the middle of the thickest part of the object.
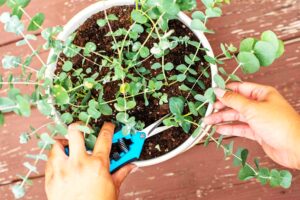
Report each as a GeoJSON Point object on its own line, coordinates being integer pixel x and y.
{"type": "Point", "coordinates": [134, 149]}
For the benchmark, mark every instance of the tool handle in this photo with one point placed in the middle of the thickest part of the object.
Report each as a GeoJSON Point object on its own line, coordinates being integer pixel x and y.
{"type": "Point", "coordinates": [134, 149]}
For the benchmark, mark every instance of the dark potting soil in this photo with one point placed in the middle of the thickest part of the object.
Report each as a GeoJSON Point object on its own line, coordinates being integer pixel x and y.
{"type": "Point", "coordinates": [91, 32]}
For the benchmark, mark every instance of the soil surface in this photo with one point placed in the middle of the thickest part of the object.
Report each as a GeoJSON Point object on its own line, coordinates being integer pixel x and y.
{"type": "Point", "coordinates": [91, 32]}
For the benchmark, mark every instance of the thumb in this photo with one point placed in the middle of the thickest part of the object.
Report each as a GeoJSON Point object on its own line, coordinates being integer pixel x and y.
{"type": "Point", "coordinates": [120, 175]}
{"type": "Point", "coordinates": [233, 100]}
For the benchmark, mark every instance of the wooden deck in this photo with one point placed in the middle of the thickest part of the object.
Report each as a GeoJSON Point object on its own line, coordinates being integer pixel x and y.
{"type": "Point", "coordinates": [200, 173]}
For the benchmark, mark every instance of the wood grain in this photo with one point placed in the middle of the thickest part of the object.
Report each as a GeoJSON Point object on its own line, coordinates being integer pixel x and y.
{"type": "Point", "coordinates": [200, 172]}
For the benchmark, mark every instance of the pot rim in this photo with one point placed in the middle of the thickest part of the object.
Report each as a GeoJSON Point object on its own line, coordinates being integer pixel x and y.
{"type": "Point", "coordinates": [94, 8]}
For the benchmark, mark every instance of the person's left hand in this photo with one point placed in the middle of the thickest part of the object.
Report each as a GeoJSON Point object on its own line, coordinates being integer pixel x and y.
{"type": "Point", "coordinates": [82, 176]}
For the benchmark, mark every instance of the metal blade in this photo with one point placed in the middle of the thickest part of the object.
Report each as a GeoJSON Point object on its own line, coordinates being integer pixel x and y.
{"type": "Point", "coordinates": [148, 130]}
{"type": "Point", "coordinates": [159, 130]}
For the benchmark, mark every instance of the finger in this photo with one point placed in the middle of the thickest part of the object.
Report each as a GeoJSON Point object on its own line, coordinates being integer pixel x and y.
{"type": "Point", "coordinates": [48, 173]}
{"type": "Point", "coordinates": [76, 141]}
{"type": "Point", "coordinates": [218, 105]}
{"type": "Point", "coordinates": [224, 116]}
{"type": "Point", "coordinates": [234, 100]}
{"type": "Point", "coordinates": [240, 130]}
{"type": "Point", "coordinates": [251, 90]}
{"type": "Point", "coordinates": [104, 140]}
{"type": "Point", "coordinates": [120, 175]}
{"type": "Point", "coordinates": [57, 150]}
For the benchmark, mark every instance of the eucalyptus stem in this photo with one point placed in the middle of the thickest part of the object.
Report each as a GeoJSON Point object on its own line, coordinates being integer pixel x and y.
{"type": "Point", "coordinates": [110, 29]}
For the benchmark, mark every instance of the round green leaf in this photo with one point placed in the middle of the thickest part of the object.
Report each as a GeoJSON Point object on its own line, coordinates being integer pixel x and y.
{"type": "Point", "coordinates": [60, 94]}
{"type": "Point", "coordinates": [271, 37]}
{"type": "Point", "coordinates": [67, 118]}
{"type": "Point", "coordinates": [249, 63]}
{"type": "Point", "coordinates": [197, 24]}
{"type": "Point", "coordinates": [247, 44]}
{"type": "Point", "coordinates": [181, 77]}
{"type": "Point", "coordinates": [68, 65]}
{"type": "Point", "coordinates": [265, 52]}
{"type": "Point", "coordinates": [286, 179]}
{"type": "Point", "coordinates": [176, 105]}
{"type": "Point", "coordinates": [137, 16]}
{"type": "Point", "coordinates": [144, 52]}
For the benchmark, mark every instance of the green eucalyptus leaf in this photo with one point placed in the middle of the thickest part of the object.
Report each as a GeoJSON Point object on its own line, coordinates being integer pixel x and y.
{"type": "Point", "coordinates": [248, 44]}
{"type": "Point", "coordinates": [271, 37]}
{"type": "Point", "coordinates": [176, 105]}
{"type": "Point", "coordinates": [17, 3]}
{"type": "Point", "coordinates": [213, 12]}
{"type": "Point", "coordinates": [210, 95]}
{"type": "Point", "coordinates": [249, 63]}
{"type": "Point", "coordinates": [197, 24]}
{"type": "Point", "coordinates": [200, 98]}
{"type": "Point", "coordinates": [137, 16]}
{"type": "Point", "coordinates": [67, 118]}
{"type": "Point", "coordinates": [275, 178]}
{"type": "Point", "coordinates": [265, 52]}
{"type": "Point", "coordinates": [23, 106]}
{"type": "Point", "coordinates": [156, 66]}
{"type": "Point", "coordinates": [219, 81]}
{"type": "Point", "coordinates": [36, 22]}
{"type": "Point", "coordinates": [30, 167]}
{"type": "Point", "coordinates": [44, 107]}
{"type": "Point", "coordinates": [105, 109]}
{"type": "Point", "coordinates": [90, 141]}
{"type": "Point", "coordinates": [112, 17]}
{"type": "Point", "coordinates": [246, 173]}
{"type": "Point", "coordinates": [10, 62]}
{"type": "Point", "coordinates": [101, 22]}
{"type": "Point", "coordinates": [18, 191]}
{"type": "Point", "coordinates": [89, 48]}
{"type": "Point", "coordinates": [83, 116]}
{"type": "Point", "coordinates": [60, 95]}
{"type": "Point", "coordinates": [263, 175]}
{"type": "Point", "coordinates": [144, 52]}
{"type": "Point", "coordinates": [169, 66]}
{"type": "Point", "coordinates": [286, 179]}
{"type": "Point", "coordinates": [198, 15]}
{"type": "Point", "coordinates": [67, 66]}
{"type": "Point", "coordinates": [193, 108]}
{"type": "Point", "coordinates": [244, 156]}
{"type": "Point", "coordinates": [181, 77]}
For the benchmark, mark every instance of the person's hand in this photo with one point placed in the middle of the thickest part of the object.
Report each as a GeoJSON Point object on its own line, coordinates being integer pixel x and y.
{"type": "Point", "coordinates": [81, 176]}
{"type": "Point", "coordinates": [264, 116]}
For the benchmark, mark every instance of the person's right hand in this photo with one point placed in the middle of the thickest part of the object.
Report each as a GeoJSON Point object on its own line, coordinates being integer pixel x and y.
{"type": "Point", "coordinates": [265, 116]}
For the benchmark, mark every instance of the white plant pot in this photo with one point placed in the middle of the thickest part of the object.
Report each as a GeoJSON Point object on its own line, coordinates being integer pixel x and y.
{"type": "Point", "coordinates": [86, 13]}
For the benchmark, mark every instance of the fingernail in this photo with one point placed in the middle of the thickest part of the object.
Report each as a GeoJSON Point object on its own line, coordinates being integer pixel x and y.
{"type": "Point", "coordinates": [135, 169]}
{"type": "Point", "coordinates": [219, 92]}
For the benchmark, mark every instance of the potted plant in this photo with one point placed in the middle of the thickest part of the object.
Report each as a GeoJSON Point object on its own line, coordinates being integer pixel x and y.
{"type": "Point", "coordinates": [132, 62]}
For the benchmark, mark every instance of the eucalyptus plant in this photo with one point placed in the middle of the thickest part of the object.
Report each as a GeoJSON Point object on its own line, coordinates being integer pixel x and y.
{"type": "Point", "coordinates": [150, 17]}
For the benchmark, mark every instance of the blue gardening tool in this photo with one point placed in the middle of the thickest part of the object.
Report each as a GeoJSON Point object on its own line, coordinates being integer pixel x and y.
{"type": "Point", "coordinates": [131, 145]}
{"type": "Point", "coordinates": [132, 152]}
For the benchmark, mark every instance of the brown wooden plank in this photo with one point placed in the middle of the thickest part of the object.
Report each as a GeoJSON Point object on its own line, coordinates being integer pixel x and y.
{"type": "Point", "coordinates": [241, 18]}
{"type": "Point", "coordinates": [200, 173]}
